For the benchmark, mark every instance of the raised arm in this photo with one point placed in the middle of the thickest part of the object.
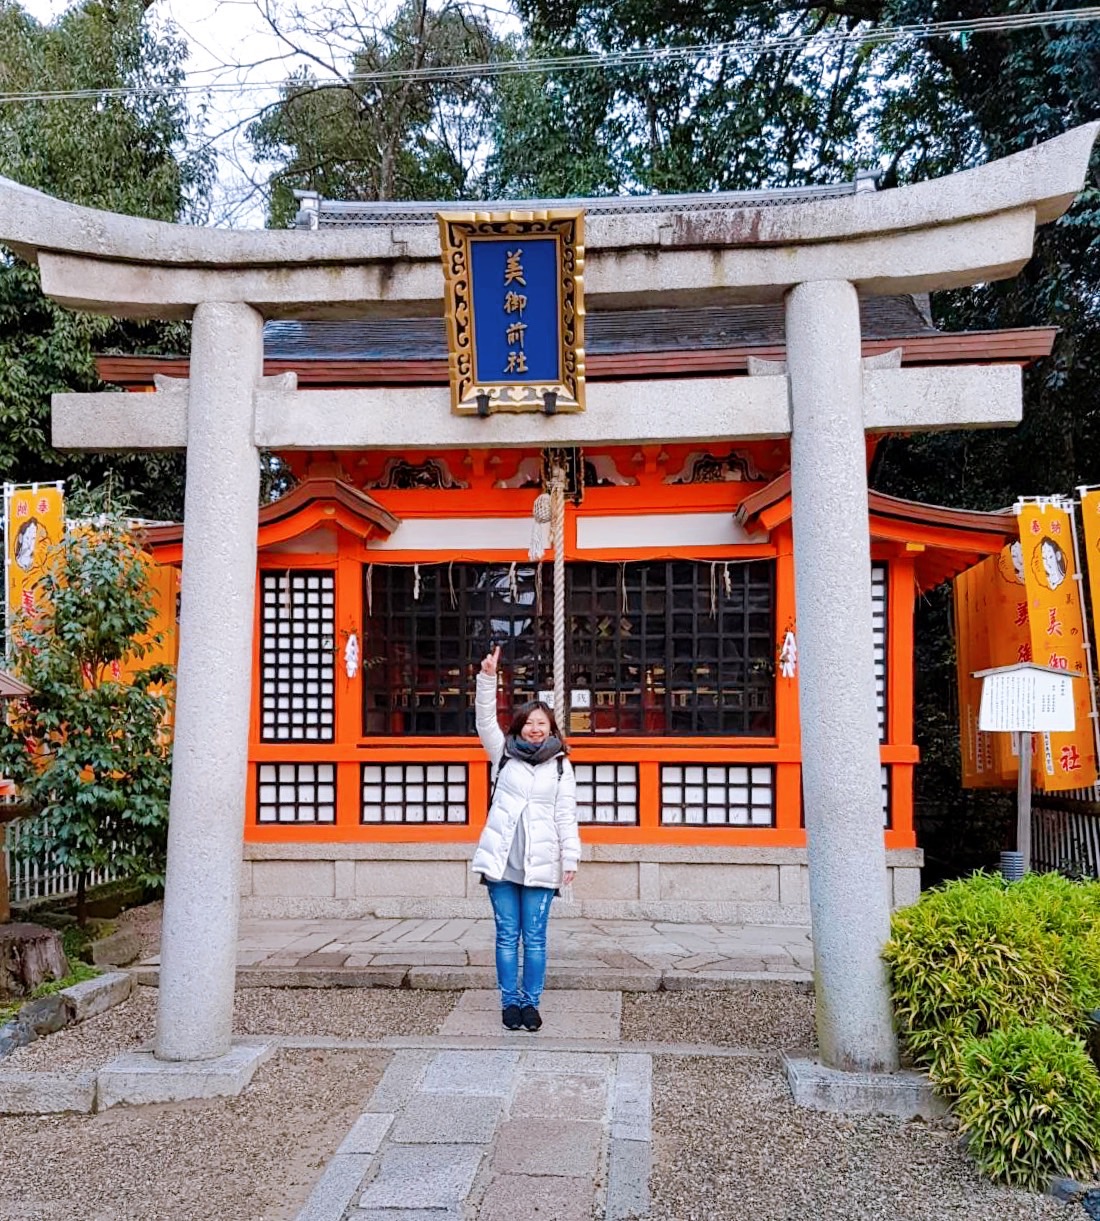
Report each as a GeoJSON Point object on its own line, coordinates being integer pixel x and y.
{"type": "Point", "coordinates": [485, 707]}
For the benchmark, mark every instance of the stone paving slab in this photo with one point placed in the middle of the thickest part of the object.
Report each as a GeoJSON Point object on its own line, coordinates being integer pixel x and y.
{"type": "Point", "coordinates": [471, 1072]}
{"type": "Point", "coordinates": [559, 1148]}
{"type": "Point", "coordinates": [560, 1096]}
{"type": "Point", "coordinates": [329, 1198]}
{"type": "Point", "coordinates": [516, 1197]}
{"type": "Point", "coordinates": [423, 1176]}
{"type": "Point", "coordinates": [444, 1119]}
{"type": "Point", "coordinates": [367, 1134]}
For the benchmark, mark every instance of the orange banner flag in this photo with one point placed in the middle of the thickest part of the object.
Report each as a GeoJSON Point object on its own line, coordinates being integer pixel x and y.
{"type": "Point", "coordinates": [1057, 630]}
{"type": "Point", "coordinates": [34, 521]}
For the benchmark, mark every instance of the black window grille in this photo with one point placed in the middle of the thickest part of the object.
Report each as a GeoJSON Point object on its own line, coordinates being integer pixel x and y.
{"type": "Point", "coordinates": [676, 647]}
{"type": "Point", "coordinates": [713, 794]}
{"type": "Point", "coordinates": [297, 626]}
{"type": "Point", "coordinates": [415, 793]}
{"type": "Point", "coordinates": [295, 792]}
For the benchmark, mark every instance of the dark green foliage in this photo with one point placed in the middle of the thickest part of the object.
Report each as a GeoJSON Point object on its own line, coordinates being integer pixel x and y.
{"type": "Point", "coordinates": [1030, 1106]}
{"type": "Point", "coordinates": [91, 753]}
{"type": "Point", "coordinates": [992, 985]}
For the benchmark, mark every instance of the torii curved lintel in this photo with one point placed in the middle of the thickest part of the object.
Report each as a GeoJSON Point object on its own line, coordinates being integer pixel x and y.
{"type": "Point", "coordinates": [967, 227]}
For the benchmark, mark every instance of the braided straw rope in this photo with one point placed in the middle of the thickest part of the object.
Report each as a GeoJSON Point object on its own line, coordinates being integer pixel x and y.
{"type": "Point", "coordinates": [557, 521]}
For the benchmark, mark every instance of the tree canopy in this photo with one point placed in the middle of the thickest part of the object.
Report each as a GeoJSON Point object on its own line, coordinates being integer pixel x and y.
{"type": "Point", "coordinates": [128, 154]}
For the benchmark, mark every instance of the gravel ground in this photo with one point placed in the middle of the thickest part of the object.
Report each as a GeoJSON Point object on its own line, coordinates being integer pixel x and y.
{"type": "Point", "coordinates": [347, 1013]}
{"type": "Point", "coordinates": [729, 1145]}
{"type": "Point", "coordinates": [252, 1158]}
{"type": "Point", "coordinates": [771, 1017]}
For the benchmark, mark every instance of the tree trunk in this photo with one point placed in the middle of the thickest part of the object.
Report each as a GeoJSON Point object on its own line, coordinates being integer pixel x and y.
{"type": "Point", "coordinates": [82, 899]}
{"type": "Point", "coordinates": [5, 902]}
{"type": "Point", "coordinates": [29, 955]}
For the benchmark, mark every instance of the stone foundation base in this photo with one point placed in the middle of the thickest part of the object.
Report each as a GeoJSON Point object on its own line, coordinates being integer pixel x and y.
{"type": "Point", "coordinates": [903, 1095]}
{"type": "Point", "coordinates": [615, 881]}
{"type": "Point", "coordinates": [138, 1077]}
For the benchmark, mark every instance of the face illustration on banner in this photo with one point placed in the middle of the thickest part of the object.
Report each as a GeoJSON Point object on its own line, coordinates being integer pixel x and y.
{"type": "Point", "coordinates": [1048, 562]}
{"type": "Point", "coordinates": [1010, 564]}
{"type": "Point", "coordinates": [30, 543]}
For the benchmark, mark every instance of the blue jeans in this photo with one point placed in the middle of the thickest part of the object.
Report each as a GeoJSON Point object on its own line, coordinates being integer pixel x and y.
{"type": "Point", "coordinates": [520, 910]}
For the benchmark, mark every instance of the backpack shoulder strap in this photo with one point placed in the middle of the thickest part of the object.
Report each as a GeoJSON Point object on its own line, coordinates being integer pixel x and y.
{"type": "Point", "coordinates": [496, 776]}
{"type": "Point", "coordinates": [561, 766]}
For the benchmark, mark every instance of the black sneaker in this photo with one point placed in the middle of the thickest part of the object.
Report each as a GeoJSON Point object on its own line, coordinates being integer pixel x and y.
{"type": "Point", "coordinates": [530, 1017]}
{"type": "Point", "coordinates": [512, 1017]}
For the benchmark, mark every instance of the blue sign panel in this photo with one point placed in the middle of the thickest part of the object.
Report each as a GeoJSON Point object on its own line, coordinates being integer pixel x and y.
{"type": "Point", "coordinates": [514, 287]}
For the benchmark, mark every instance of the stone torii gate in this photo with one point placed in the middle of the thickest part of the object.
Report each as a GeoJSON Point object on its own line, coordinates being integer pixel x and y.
{"type": "Point", "coordinates": [817, 257]}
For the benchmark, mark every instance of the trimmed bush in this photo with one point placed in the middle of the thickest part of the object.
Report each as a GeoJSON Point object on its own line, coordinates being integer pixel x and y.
{"type": "Point", "coordinates": [992, 984]}
{"type": "Point", "coordinates": [981, 955]}
{"type": "Point", "coordinates": [1029, 1105]}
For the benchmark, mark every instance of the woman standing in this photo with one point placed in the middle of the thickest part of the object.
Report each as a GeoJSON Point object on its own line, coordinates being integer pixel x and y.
{"type": "Point", "coordinates": [530, 844]}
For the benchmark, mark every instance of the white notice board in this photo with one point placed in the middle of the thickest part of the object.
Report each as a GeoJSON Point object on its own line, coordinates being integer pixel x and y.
{"type": "Point", "coordinates": [1026, 699]}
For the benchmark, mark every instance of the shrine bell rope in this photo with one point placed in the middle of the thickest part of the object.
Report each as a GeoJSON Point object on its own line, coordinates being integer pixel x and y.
{"type": "Point", "coordinates": [557, 522]}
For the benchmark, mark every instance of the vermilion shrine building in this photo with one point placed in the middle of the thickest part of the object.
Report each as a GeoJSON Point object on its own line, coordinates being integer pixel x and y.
{"type": "Point", "coordinates": [367, 787]}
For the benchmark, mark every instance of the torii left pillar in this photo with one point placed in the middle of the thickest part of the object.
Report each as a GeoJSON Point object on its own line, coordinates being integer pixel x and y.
{"type": "Point", "coordinates": [206, 822]}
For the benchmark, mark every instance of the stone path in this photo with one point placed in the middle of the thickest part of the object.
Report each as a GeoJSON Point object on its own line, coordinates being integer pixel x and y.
{"type": "Point", "coordinates": [632, 955]}
{"type": "Point", "coordinates": [500, 1133]}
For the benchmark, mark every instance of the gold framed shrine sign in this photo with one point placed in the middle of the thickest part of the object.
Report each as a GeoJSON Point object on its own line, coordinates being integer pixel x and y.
{"type": "Point", "coordinates": [515, 310]}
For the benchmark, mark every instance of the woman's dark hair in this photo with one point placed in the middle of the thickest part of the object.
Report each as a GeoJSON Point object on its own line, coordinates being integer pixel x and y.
{"type": "Point", "coordinates": [525, 710]}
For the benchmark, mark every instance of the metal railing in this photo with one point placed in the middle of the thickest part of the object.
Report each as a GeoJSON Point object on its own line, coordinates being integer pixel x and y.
{"type": "Point", "coordinates": [43, 877]}
{"type": "Point", "coordinates": [1065, 836]}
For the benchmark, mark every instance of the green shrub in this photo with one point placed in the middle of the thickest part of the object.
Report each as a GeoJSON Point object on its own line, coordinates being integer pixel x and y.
{"type": "Point", "coordinates": [992, 984]}
{"type": "Point", "coordinates": [981, 955]}
{"type": "Point", "coordinates": [1029, 1104]}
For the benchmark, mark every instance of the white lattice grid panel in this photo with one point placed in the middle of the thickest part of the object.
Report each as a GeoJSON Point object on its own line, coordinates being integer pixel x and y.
{"type": "Point", "coordinates": [415, 793]}
{"type": "Point", "coordinates": [878, 626]}
{"type": "Point", "coordinates": [885, 789]}
{"type": "Point", "coordinates": [607, 793]}
{"type": "Point", "coordinates": [697, 794]}
{"type": "Point", "coordinates": [296, 656]}
{"type": "Point", "coordinates": [296, 792]}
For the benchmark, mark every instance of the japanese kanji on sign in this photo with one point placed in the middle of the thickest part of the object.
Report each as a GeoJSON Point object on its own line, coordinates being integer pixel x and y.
{"type": "Point", "coordinates": [515, 310]}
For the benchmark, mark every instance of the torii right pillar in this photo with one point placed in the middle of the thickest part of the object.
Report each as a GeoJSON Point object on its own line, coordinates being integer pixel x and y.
{"type": "Point", "coordinates": [849, 904]}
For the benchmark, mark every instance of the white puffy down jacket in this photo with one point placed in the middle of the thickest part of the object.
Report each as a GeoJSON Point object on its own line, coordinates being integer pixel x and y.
{"type": "Point", "coordinates": [534, 792]}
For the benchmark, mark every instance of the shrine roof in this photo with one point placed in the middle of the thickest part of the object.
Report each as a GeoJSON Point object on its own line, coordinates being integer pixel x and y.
{"type": "Point", "coordinates": [618, 344]}
{"type": "Point", "coordinates": [943, 541]}
{"type": "Point", "coordinates": [319, 500]}
{"type": "Point", "coordinates": [606, 333]}
{"type": "Point", "coordinates": [317, 213]}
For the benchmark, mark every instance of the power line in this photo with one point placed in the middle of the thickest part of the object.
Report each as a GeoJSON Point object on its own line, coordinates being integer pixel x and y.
{"type": "Point", "coordinates": [605, 60]}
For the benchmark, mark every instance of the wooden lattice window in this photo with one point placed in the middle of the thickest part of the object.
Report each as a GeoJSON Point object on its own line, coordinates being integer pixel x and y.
{"type": "Point", "coordinates": [415, 793]}
{"type": "Point", "coordinates": [607, 793]}
{"type": "Point", "coordinates": [714, 794]}
{"type": "Point", "coordinates": [297, 627]}
{"type": "Point", "coordinates": [296, 792]}
{"type": "Point", "coordinates": [879, 574]}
